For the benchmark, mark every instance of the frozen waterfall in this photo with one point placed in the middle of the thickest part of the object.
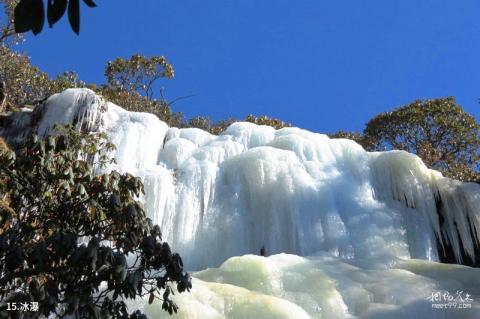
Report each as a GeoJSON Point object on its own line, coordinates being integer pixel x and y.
{"type": "Point", "coordinates": [361, 217]}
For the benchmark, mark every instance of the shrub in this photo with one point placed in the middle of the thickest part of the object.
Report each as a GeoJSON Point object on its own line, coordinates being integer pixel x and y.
{"type": "Point", "coordinates": [65, 230]}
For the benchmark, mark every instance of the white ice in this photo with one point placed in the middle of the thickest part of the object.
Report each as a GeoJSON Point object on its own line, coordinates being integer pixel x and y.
{"type": "Point", "coordinates": [366, 216]}
{"type": "Point", "coordinates": [294, 287]}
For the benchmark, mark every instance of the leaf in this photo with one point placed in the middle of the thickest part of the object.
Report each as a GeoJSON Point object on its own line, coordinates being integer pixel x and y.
{"type": "Point", "coordinates": [22, 17]}
{"type": "Point", "coordinates": [166, 293]}
{"type": "Point", "coordinates": [90, 3]}
{"type": "Point", "coordinates": [55, 10]}
{"type": "Point", "coordinates": [151, 298]}
{"type": "Point", "coordinates": [81, 189]}
{"type": "Point", "coordinates": [74, 15]}
{"type": "Point", "coordinates": [29, 15]}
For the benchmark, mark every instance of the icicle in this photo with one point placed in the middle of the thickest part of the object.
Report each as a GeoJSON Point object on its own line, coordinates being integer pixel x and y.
{"type": "Point", "coordinates": [289, 190]}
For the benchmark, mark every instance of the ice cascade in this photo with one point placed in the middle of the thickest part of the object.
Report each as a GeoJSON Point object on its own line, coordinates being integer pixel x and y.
{"type": "Point", "coordinates": [294, 192]}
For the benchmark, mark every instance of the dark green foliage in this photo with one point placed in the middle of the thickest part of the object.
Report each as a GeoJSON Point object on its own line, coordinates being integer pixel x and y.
{"type": "Point", "coordinates": [50, 201]}
{"type": "Point", "coordinates": [55, 10]}
{"type": "Point", "coordinates": [74, 15]}
{"type": "Point", "coordinates": [30, 14]}
{"type": "Point", "coordinates": [439, 131]}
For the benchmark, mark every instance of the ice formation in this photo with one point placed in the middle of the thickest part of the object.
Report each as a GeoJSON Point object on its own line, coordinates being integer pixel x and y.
{"type": "Point", "coordinates": [363, 219]}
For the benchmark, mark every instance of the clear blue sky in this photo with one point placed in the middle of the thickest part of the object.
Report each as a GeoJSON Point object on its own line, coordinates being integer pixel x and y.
{"type": "Point", "coordinates": [322, 65]}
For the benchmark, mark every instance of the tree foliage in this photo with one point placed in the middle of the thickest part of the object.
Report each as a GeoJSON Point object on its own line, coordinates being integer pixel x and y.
{"type": "Point", "coordinates": [65, 230]}
{"type": "Point", "coordinates": [138, 73]}
{"type": "Point", "coordinates": [355, 136]}
{"type": "Point", "coordinates": [439, 131]}
{"type": "Point", "coordinates": [21, 83]}
{"type": "Point", "coordinates": [216, 128]}
{"type": "Point", "coordinates": [265, 120]}
{"type": "Point", "coordinates": [201, 122]}
{"type": "Point", "coordinates": [220, 126]}
{"type": "Point", "coordinates": [30, 14]}
{"type": "Point", "coordinates": [132, 101]}
{"type": "Point", "coordinates": [131, 84]}
{"type": "Point", "coordinates": [25, 84]}
{"type": "Point", "coordinates": [8, 36]}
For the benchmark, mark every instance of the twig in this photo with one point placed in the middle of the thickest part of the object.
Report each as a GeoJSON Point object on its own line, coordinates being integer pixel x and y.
{"type": "Point", "coordinates": [181, 98]}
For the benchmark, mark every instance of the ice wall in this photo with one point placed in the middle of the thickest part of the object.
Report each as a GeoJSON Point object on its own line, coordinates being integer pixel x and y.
{"type": "Point", "coordinates": [359, 217]}
{"type": "Point", "coordinates": [289, 190]}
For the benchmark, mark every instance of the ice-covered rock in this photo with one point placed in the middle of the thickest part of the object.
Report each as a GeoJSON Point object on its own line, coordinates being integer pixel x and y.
{"type": "Point", "coordinates": [292, 287]}
{"type": "Point", "coordinates": [292, 191]}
